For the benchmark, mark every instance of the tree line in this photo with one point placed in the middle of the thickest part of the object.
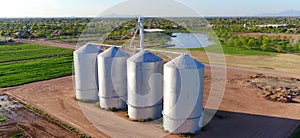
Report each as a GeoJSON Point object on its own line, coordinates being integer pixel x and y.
{"type": "Point", "coordinates": [42, 27]}
{"type": "Point", "coordinates": [228, 29]}
{"type": "Point", "coordinates": [262, 43]}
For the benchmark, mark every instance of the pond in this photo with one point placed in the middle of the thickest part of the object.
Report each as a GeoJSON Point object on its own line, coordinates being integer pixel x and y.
{"type": "Point", "coordinates": [189, 40]}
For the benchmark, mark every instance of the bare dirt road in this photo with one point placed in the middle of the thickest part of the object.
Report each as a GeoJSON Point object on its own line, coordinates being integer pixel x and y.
{"type": "Point", "coordinates": [47, 43]}
{"type": "Point", "coordinates": [242, 111]}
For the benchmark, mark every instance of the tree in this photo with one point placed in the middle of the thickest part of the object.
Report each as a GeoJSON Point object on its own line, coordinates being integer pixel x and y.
{"type": "Point", "coordinates": [243, 41]}
{"type": "Point", "coordinates": [251, 43]}
{"type": "Point", "coordinates": [265, 43]}
{"type": "Point", "coordinates": [230, 41]}
{"type": "Point", "coordinates": [236, 42]}
{"type": "Point", "coordinates": [264, 47]}
{"type": "Point", "coordinates": [297, 46]}
{"type": "Point", "coordinates": [289, 47]}
{"type": "Point", "coordinates": [279, 47]}
{"type": "Point", "coordinates": [260, 39]}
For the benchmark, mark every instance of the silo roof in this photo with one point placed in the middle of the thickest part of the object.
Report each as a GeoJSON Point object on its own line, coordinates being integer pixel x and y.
{"type": "Point", "coordinates": [88, 49]}
{"type": "Point", "coordinates": [184, 62]}
{"type": "Point", "coordinates": [145, 56]}
{"type": "Point", "coordinates": [114, 52]}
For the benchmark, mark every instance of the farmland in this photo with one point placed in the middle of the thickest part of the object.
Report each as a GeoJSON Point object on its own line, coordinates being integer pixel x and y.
{"type": "Point", "coordinates": [40, 68]}
{"type": "Point", "coordinates": [16, 52]}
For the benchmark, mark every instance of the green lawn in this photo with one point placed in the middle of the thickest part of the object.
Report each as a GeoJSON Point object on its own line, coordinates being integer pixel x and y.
{"type": "Point", "coordinates": [243, 51]}
{"type": "Point", "coordinates": [234, 51]}
{"type": "Point", "coordinates": [36, 70]}
{"type": "Point", "coordinates": [14, 52]}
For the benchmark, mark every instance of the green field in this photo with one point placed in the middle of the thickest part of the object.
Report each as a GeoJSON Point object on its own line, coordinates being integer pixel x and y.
{"type": "Point", "coordinates": [16, 52]}
{"type": "Point", "coordinates": [48, 63]}
{"type": "Point", "coordinates": [233, 50]}
{"type": "Point", "coordinates": [243, 51]}
{"type": "Point", "coordinates": [37, 70]}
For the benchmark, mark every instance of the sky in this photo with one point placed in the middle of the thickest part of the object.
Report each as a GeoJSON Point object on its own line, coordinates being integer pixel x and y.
{"type": "Point", "coordinates": [92, 8]}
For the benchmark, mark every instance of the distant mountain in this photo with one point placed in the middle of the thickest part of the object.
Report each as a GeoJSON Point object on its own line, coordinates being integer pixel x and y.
{"type": "Point", "coordinates": [283, 13]}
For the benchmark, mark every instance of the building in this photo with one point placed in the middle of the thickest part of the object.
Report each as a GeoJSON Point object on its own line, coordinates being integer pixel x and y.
{"type": "Point", "coordinates": [273, 25]}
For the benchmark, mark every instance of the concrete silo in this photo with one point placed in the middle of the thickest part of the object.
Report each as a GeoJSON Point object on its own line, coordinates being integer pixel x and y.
{"type": "Point", "coordinates": [183, 95]}
{"type": "Point", "coordinates": [144, 72]}
{"type": "Point", "coordinates": [86, 76]}
{"type": "Point", "coordinates": [112, 74]}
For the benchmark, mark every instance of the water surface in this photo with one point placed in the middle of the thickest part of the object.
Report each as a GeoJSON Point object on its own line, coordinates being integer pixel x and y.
{"type": "Point", "coordinates": [189, 40]}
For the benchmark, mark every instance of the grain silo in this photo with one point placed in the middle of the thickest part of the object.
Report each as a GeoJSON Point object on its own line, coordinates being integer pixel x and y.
{"type": "Point", "coordinates": [86, 76]}
{"type": "Point", "coordinates": [183, 95]}
{"type": "Point", "coordinates": [144, 86]}
{"type": "Point", "coordinates": [112, 74]}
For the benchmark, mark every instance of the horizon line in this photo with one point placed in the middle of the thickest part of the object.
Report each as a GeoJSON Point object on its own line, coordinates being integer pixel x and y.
{"type": "Point", "coordinates": [149, 16]}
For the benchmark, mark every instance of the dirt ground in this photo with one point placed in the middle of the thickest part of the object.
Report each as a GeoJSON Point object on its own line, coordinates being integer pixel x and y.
{"type": "Point", "coordinates": [23, 122]}
{"type": "Point", "coordinates": [242, 113]}
{"type": "Point", "coordinates": [279, 63]}
{"type": "Point", "coordinates": [48, 43]}
{"type": "Point", "coordinates": [56, 98]}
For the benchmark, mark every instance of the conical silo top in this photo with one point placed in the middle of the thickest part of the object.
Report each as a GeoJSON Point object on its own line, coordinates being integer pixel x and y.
{"type": "Point", "coordinates": [88, 49]}
{"type": "Point", "coordinates": [145, 56]}
{"type": "Point", "coordinates": [185, 62]}
{"type": "Point", "coordinates": [114, 52]}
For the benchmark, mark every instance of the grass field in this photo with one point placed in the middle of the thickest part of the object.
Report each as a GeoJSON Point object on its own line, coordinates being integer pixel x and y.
{"type": "Point", "coordinates": [37, 70]}
{"type": "Point", "coordinates": [243, 51]}
{"type": "Point", "coordinates": [235, 51]}
{"type": "Point", "coordinates": [48, 63]}
{"type": "Point", "coordinates": [15, 52]}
